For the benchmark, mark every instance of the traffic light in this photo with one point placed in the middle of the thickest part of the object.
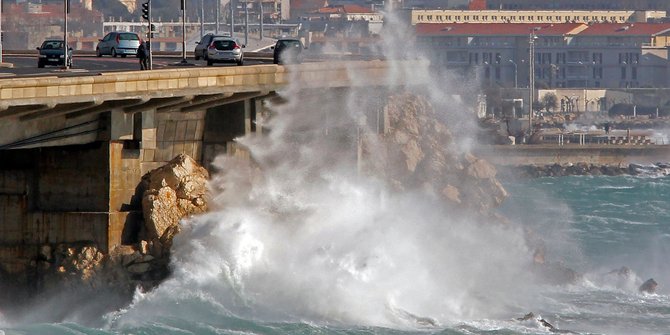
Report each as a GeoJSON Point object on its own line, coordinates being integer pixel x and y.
{"type": "Point", "coordinates": [146, 10]}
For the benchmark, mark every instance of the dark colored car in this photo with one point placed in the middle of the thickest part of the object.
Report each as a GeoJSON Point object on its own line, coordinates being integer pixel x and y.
{"type": "Point", "coordinates": [51, 53]}
{"type": "Point", "coordinates": [200, 50]}
{"type": "Point", "coordinates": [287, 51]}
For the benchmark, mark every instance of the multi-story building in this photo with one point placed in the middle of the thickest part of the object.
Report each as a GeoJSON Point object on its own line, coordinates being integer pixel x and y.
{"type": "Point", "coordinates": [580, 4]}
{"type": "Point", "coordinates": [566, 54]}
{"type": "Point", "coordinates": [416, 16]}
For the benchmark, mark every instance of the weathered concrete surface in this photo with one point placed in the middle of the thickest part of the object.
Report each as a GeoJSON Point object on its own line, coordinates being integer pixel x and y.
{"type": "Point", "coordinates": [516, 155]}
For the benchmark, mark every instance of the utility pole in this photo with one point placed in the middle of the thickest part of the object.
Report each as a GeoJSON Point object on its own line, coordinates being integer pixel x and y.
{"type": "Point", "coordinates": [231, 4]}
{"type": "Point", "coordinates": [246, 22]}
{"type": "Point", "coordinates": [202, 18]}
{"type": "Point", "coordinates": [531, 83]}
{"type": "Point", "coordinates": [0, 31]}
{"type": "Point", "coordinates": [66, 10]}
{"type": "Point", "coordinates": [218, 15]}
{"type": "Point", "coordinates": [183, 32]}
{"type": "Point", "coordinates": [260, 21]}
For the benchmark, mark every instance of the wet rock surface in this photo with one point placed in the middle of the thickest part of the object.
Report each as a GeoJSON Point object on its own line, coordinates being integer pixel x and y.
{"type": "Point", "coordinates": [417, 151]}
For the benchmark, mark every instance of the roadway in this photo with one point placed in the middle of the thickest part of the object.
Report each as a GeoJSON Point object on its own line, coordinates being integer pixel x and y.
{"type": "Point", "coordinates": [25, 65]}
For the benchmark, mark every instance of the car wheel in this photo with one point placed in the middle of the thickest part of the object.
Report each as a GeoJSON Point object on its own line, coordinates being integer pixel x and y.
{"type": "Point", "coordinates": [98, 52]}
{"type": "Point", "coordinates": [114, 52]}
{"type": "Point", "coordinates": [195, 55]}
{"type": "Point", "coordinates": [205, 57]}
{"type": "Point", "coordinates": [209, 62]}
{"type": "Point", "coordinates": [40, 65]}
{"type": "Point", "coordinates": [123, 56]}
{"type": "Point", "coordinates": [275, 60]}
{"type": "Point", "coordinates": [241, 62]}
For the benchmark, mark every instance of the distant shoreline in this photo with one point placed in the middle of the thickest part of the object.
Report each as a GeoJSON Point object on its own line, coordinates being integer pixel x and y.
{"type": "Point", "coordinates": [583, 169]}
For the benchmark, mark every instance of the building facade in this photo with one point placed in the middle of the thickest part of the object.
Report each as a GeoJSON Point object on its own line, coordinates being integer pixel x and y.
{"type": "Point", "coordinates": [566, 55]}
{"type": "Point", "coordinates": [416, 16]}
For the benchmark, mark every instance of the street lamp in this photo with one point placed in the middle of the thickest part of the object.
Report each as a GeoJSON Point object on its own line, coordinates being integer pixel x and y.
{"type": "Point", "coordinates": [515, 73]}
{"type": "Point", "coordinates": [531, 80]}
{"type": "Point", "coordinates": [66, 10]}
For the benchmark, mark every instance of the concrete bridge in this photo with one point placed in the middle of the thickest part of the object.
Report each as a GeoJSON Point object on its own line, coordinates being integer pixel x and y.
{"type": "Point", "coordinates": [73, 150]}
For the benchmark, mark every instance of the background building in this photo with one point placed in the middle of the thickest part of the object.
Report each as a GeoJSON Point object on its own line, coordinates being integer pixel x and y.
{"type": "Point", "coordinates": [611, 55]}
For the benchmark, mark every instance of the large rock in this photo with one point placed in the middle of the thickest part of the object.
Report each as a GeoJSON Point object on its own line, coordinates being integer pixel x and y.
{"type": "Point", "coordinates": [172, 192]}
{"type": "Point", "coordinates": [417, 151]}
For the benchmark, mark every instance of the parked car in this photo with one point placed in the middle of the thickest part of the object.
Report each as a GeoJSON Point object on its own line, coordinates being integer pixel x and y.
{"type": "Point", "coordinates": [118, 43]}
{"type": "Point", "coordinates": [200, 50]}
{"type": "Point", "coordinates": [287, 50]}
{"type": "Point", "coordinates": [225, 50]}
{"type": "Point", "coordinates": [51, 53]}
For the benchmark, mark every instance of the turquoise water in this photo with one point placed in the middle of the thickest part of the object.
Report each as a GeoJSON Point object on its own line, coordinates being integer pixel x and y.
{"type": "Point", "coordinates": [590, 224]}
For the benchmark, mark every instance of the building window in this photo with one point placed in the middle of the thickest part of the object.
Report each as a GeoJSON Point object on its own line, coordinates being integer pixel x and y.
{"type": "Point", "coordinates": [633, 73]}
{"type": "Point", "coordinates": [623, 73]}
{"type": "Point", "coordinates": [430, 18]}
{"type": "Point", "coordinates": [530, 18]}
{"type": "Point", "coordinates": [497, 73]}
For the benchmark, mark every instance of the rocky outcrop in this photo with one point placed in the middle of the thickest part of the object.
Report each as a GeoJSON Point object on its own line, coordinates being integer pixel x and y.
{"type": "Point", "coordinates": [417, 150]}
{"type": "Point", "coordinates": [169, 194]}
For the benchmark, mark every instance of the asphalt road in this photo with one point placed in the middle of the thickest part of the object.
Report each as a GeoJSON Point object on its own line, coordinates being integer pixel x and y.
{"type": "Point", "coordinates": [26, 65]}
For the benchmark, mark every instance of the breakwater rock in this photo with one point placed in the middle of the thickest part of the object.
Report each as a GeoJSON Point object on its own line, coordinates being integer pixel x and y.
{"type": "Point", "coordinates": [584, 169]}
{"type": "Point", "coordinates": [169, 194]}
{"type": "Point", "coordinates": [417, 151]}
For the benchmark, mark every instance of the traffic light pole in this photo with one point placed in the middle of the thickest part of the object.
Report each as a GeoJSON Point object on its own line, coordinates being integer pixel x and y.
{"type": "Point", "coordinates": [146, 14]}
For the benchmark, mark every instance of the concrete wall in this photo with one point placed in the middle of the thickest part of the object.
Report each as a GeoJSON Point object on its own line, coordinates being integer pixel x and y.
{"type": "Point", "coordinates": [514, 155]}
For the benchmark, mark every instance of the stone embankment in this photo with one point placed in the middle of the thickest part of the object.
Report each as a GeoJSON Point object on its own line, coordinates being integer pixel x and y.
{"type": "Point", "coordinates": [585, 169]}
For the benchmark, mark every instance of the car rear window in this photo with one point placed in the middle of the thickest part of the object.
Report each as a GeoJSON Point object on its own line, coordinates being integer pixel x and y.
{"type": "Point", "coordinates": [294, 44]}
{"type": "Point", "coordinates": [224, 44]}
{"type": "Point", "coordinates": [128, 37]}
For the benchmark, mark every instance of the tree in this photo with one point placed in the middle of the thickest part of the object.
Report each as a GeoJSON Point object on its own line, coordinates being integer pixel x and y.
{"type": "Point", "coordinates": [550, 101]}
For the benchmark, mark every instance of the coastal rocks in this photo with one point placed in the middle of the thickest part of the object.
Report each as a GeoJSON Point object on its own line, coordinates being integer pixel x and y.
{"type": "Point", "coordinates": [70, 264]}
{"type": "Point", "coordinates": [648, 286]}
{"type": "Point", "coordinates": [584, 169]}
{"type": "Point", "coordinates": [417, 151]}
{"type": "Point", "coordinates": [169, 194]}
{"type": "Point", "coordinates": [172, 192]}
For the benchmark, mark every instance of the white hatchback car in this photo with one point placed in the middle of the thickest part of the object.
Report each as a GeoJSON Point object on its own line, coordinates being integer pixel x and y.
{"type": "Point", "coordinates": [225, 50]}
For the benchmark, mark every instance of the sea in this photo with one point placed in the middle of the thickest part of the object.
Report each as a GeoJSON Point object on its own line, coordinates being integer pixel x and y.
{"type": "Point", "coordinates": [330, 272]}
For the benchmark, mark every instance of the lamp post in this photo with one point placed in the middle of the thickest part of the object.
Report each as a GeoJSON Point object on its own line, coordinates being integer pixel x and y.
{"type": "Point", "coordinates": [515, 73]}
{"type": "Point", "coordinates": [183, 32]}
{"type": "Point", "coordinates": [202, 18]}
{"type": "Point", "coordinates": [218, 14]}
{"type": "Point", "coordinates": [0, 31]}
{"type": "Point", "coordinates": [66, 10]}
{"type": "Point", "coordinates": [531, 79]}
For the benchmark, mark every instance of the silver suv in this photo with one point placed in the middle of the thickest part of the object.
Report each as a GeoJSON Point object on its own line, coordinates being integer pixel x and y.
{"type": "Point", "coordinates": [225, 50]}
{"type": "Point", "coordinates": [118, 43]}
{"type": "Point", "coordinates": [200, 50]}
